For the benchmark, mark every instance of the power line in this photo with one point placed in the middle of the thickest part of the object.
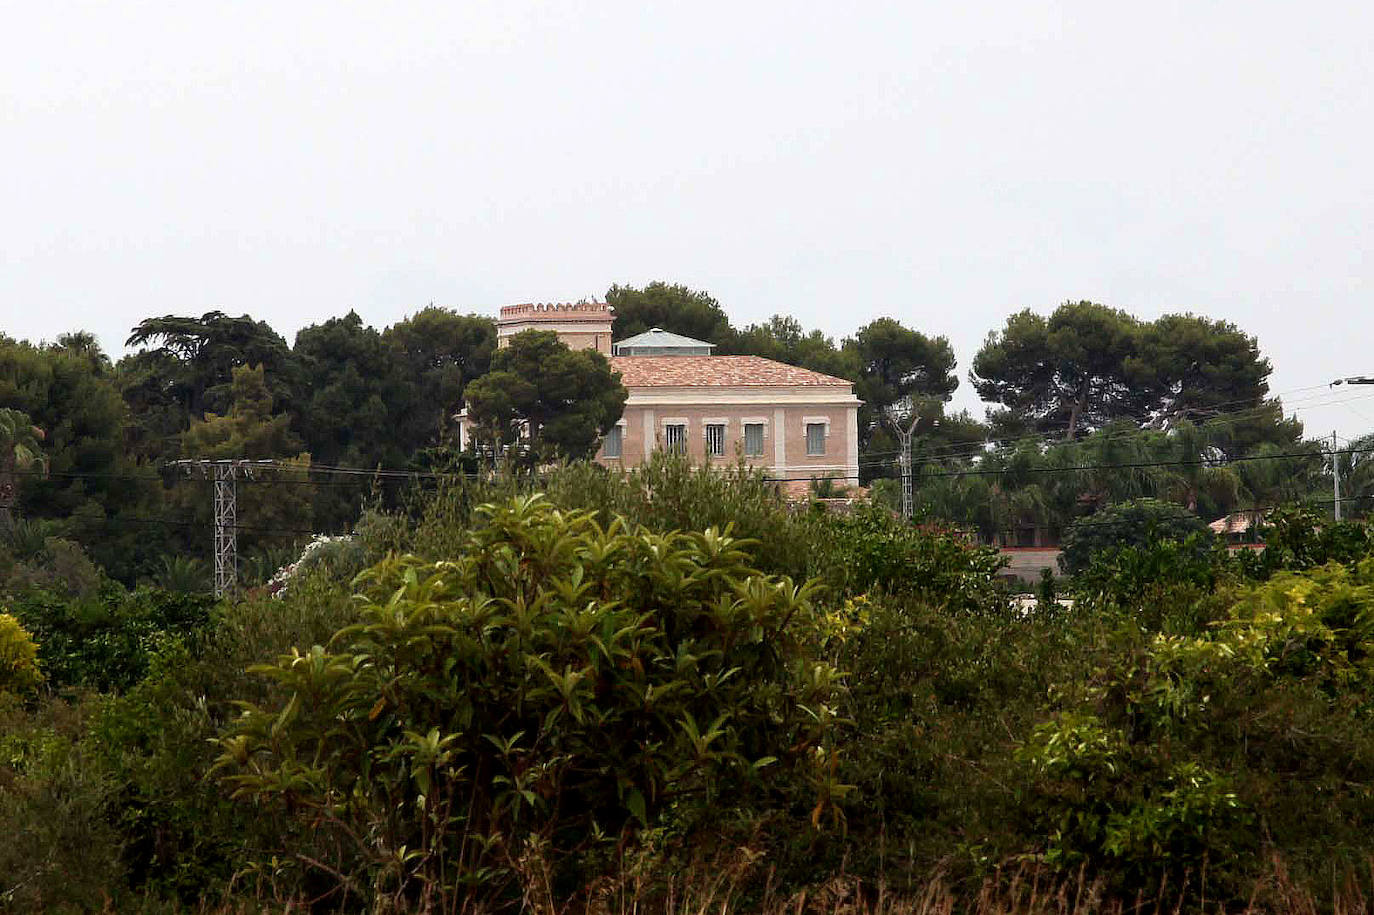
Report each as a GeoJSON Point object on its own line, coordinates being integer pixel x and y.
{"type": "Point", "coordinates": [465, 475]}
{"type": "Point", "coordinates": [1210, 425]}
{"type": "Point", "coordinates": [118, 520]}
{"type": "Point", "coordinates": [1206, 423]}
{"type": "Point", "coordinates": [1081, 468]}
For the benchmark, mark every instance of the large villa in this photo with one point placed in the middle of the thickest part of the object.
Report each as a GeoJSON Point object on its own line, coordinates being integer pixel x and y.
{"type": "Point", "coordinates": [794, 423]}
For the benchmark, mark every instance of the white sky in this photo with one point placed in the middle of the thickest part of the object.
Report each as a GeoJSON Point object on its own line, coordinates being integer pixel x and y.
{"type": "Point", "coordinates": [942, 163]}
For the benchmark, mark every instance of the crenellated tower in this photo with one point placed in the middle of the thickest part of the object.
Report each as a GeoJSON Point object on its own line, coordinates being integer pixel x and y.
{"type": "Point", "coordinates": [581, 325]}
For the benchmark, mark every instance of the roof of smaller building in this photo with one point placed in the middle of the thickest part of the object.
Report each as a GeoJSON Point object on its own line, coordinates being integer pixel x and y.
{"type": "Point", "coordinates": [657, 337]}
{"type": "Point", "coordinates": [1238, 522]}
{"type": "Point", "coordinates": [715, 371]}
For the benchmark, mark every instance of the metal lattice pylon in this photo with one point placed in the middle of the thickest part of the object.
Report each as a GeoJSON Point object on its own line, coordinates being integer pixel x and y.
{"type": "Point", "coordinates": [225, 475]}
{"type": "Point", "coordinates": [906, 433]}
{"type": "Point", "coordinates": [226, 526]}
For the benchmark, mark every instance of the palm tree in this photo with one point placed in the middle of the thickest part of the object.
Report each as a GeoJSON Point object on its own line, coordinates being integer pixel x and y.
{"type": "Point", "coordinates": [1357, 477]}
{"type": "Point", "coordinates": [1199, 482]}
{"type": "Point", "coordinates": [19, 450]}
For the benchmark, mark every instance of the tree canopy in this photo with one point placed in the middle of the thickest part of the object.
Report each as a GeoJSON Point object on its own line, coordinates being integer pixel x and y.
{"type": "Point", "coordinates": [558, 400]}
{"type": "Point", "coordinates": [207, 349]}
{"type": "Point", "coordinates": [672, 307]}
{"type": "Point", "coordinates": [439, 352]}
{"type": "Point", "coordinates": [1063, 374]}
{"type": "Point", "coordinates": [1088, 365]}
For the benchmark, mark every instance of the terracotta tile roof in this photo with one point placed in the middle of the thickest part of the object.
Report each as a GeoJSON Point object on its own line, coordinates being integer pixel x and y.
{"type": "Point", "coordinates": [1238, 522]}
{"type": "Point", "coordinates": [714, 371]}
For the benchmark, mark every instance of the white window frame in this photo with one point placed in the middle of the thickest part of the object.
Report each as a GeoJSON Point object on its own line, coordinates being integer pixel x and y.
{"type": "Point", "coordinates": [825, 437]}
{"type": "Point", "coordinates": [719, 447]}
{"type": "Point", "coordinates": [618, 430]}
{"type": "Point", "coordinates": [680, 446]}
{"type": "Point", "coordinates": [763, 436]}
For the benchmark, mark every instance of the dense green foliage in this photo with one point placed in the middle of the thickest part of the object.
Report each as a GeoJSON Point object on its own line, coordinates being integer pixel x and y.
{"type": "Point", "coordinates": [1087, 365]}
{"type": "Point", "coordinates": [557, 401]}
{"type": "Point", "coordinates": [556, 682]}
{"type": "Point", "coordinates": [535, 668]}
{"type": "Point", "coordinates": [19, 673]}
{"type": "Point", "coordinates": [1130, 523]}
{"type": "Point", "coordinates": [107, 640]}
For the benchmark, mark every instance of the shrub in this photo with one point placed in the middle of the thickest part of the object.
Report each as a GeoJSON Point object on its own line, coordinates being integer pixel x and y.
{"type": "Point", "coordinates": [555, 684]}
{"type": "Point", "coordinates": [182, 836]}
{"type": "Point", "coordinates": [19, 672]}
{"type": "Point", "coordinates": [1298, 538]}
{"type": "Point", "coordinates": [105, 641]}
{"type": "Point", "coordinates": [1162, 583]}
{"type": "Point", "coordinates": [340, 557]}
{"type": "Point", "coordinates": [1133, 523]}
{"type": "Point", "coordinates": [60, 852]}
{"type": "Point", "coordinates": [666, 493]}
{"type": "Point", "coordinates": [1178, 739]}
{"type": "Point", "coordinates": [936, 701]}
{"type": "Point", "coordinates": [60, 566]}
{"type": "Point", "coordinates": [870, 549]}
{"type": "Point", "coordinates": [1107, 802]}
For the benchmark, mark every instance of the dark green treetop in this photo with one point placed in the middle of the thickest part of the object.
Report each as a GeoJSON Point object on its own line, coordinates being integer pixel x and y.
{"type": "Point", "coordinates": [674, 307]}
{"type": "Point", "coordinates": [559, 400]}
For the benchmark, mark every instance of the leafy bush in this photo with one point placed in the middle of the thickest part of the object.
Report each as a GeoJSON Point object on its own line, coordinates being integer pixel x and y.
{"type": "Point", "coordinates": [60, 851]}
{"type": "Point", "coordinates": [1136, 522]}
{"type": "Point", "coordinates": [1108, 802]}
{"type": "Point", "coordinates": [19, 672]}
{"type": "Point", "coordinates": [181, 835]}
{"type": "Point", "coordinates": [342, 557]}
{"type": "Point", "coordinates": [105, 641]}
{"type": "Point", "coordinates": [555, 684]}
{"type": "Point", "coordinates": [1162, 583]}
{"type": "Point", "coordinates": [870, 549]}
{"type": "Point", "coordinates": [60, 566]}
{"type": "Point", "coordinates": [1298, 538]}
{"type": "Point", "coordinates": [1178, 739]}
{"type": "Point", "coordinates": [25, 540]}
{"type": "Point", "coordinates": [936, 701]}
{"type": "Point", "coordinates": [666, 493]}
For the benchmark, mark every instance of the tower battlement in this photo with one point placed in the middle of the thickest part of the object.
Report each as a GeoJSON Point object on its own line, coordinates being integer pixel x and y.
{"type": "Point", "coordinates": [557, 311]}
{"type": "Point", "coordinates": [581, 325]}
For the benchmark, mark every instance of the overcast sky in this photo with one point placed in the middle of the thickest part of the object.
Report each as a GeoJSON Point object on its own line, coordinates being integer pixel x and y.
{"type": "Point", "coordinates": [942, 163]}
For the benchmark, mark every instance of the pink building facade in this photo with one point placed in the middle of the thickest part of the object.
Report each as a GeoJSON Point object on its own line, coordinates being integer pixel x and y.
{"type": "Point", "coordinates": [793, 423]}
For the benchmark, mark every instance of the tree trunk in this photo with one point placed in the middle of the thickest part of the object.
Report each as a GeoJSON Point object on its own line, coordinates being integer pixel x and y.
{"type": "Point", "coordinates": [8, 492]}
{"type": "Point", "coordinates": [1079, 405]}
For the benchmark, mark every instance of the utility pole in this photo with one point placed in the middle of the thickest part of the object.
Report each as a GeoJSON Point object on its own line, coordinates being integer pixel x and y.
{"type": "Point", "coordinates": [1335, 449]}
{"type": "Point", "coordinates": [1336, 474]}
{"type": "Point", "coordinates": [907, 489]}
{"type": "Point", "coordinates": [906, 434]}
{"type": "Point", "coordinates": [225, 475]}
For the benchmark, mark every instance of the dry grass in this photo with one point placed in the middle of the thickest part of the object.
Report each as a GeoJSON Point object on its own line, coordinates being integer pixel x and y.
{"type": "Point", "coordinates": [730, 885]}
{"type": "Point", "coordinates": [738, 882]}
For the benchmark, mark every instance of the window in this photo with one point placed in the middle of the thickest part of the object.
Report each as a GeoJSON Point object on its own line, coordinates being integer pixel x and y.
{"type": "Point", "coordinates": [611, 444]}
{"type": "Point", "coordinates": [715, 440]}
{"type": "Point", "coordinates": [815, 438]}
{"type": "Point", "coordinates": [753, 439]}
{"type": "Point", "coordinates": [675, 437]}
